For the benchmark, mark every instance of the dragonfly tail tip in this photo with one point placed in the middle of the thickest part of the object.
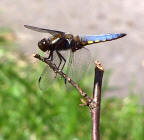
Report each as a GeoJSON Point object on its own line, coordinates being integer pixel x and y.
{"type": "Point", "coordinates": [123, 34]}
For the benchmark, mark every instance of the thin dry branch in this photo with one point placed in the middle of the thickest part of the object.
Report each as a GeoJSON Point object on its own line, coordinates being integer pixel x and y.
{"type": "Point", "coordinates": [56, 70]}
{"type": "Point", "coordinates": [94, 102]}
{"type": "Point", "coordinates": [95, 112]}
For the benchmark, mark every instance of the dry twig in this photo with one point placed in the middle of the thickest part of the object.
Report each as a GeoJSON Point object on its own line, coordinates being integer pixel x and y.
{"type": "Point", "coordinates": [95, 112]}
{"type": "Point", "coordinates": [94, 102]}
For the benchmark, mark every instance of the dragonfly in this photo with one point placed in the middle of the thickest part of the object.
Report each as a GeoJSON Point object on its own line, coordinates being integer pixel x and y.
{"type": "Point", "coordinates": [79, 56]}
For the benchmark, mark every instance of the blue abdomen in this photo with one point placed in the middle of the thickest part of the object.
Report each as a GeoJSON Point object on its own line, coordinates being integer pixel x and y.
{"type": "Point", "coordinates": [90, 39]}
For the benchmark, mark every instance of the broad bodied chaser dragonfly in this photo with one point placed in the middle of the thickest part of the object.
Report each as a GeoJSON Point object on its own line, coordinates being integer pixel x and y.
{"type": "Point", "coordinates": [61, 41]}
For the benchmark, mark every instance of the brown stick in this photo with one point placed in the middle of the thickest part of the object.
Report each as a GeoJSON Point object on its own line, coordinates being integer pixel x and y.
{"type": "Point", "coordinates": [92, 103]}
{"type": "Point", "coordinates": [56, 70]}
{"type": "Point", "coordinates": [95, 111]}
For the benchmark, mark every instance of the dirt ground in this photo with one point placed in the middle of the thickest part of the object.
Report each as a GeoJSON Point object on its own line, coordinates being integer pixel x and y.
{"type": "Point", "coordinates": [124, 56]}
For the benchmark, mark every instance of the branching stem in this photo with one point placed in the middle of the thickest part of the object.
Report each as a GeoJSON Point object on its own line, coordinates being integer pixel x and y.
{"type": "Point", "coordinates": [94, 102]}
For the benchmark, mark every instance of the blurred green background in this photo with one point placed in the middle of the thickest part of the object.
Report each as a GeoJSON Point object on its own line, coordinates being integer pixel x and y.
{"type": "Point", "coordinates": [26, 113]}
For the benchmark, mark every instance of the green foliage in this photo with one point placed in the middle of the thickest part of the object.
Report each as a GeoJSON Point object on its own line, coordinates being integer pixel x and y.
{"type": "Point", "coordinates": [122, 119]}
{"type": "Point", "coordinates": [26, 113]}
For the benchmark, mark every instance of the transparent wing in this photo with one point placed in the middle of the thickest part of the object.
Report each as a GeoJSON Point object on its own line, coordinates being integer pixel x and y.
{"type": "Point", "coordinates": [78, 64]}
{"type": "Point", "coordinates": [56, 59]}
{"type": "Point", "coordinates": [48, 76]}
{"type": "Point", "coordinates": [52, 32]}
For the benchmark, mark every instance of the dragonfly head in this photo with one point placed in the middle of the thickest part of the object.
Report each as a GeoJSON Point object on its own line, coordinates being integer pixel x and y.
{"type": "Point", "coordinates": [44, 44]}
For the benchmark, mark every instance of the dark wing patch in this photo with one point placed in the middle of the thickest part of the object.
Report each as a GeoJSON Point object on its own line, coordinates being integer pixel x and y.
{"type": "Point", "coordinates": [47, 78]}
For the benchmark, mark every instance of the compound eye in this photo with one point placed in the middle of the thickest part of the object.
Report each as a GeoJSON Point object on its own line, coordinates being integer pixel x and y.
{"type": "Point", "coordinates": [43, 45]}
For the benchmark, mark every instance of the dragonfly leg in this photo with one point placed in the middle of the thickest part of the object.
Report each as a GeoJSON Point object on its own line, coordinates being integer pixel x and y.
{"type": "Point", "coordinates": [50, 57]}
{"type": "Point", "coordinates": [61, 58]}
